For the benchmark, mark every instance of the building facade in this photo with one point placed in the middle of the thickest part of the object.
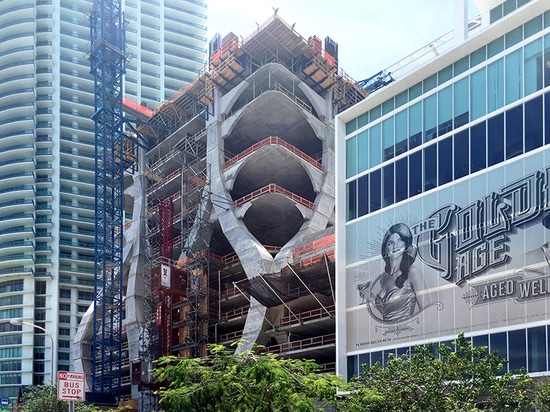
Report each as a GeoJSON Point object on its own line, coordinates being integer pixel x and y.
{"type": "Point", "coordinates": [47, 162]}
{"type": "Point", "coordinates": [235, 200]}
{"type": "Point", "coordinates": [442, 200]}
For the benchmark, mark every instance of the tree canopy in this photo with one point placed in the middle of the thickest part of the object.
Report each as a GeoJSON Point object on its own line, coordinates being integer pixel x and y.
{"type": "Point", "coordinates": [44, 398]}
{"type": "Point", "coordinates": [441, 378]}
{"type": "Point", "coordinates": [249, 381]}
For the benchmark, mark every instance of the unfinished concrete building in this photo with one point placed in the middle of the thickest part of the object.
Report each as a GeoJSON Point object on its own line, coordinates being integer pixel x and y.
{"type": "Point", "coordinates": [231, 233]}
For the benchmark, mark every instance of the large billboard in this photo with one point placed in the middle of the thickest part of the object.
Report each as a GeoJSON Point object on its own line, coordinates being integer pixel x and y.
{"type": "Point", "coordinates": [469, 257]}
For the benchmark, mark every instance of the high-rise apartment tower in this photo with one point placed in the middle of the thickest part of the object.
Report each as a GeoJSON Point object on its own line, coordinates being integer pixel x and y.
{"type": "Point", "coordinates": [47, 161]}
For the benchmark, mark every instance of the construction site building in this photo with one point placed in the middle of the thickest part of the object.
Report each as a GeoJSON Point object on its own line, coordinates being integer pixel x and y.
{"type": "Point", "coordinates": [232, 207]}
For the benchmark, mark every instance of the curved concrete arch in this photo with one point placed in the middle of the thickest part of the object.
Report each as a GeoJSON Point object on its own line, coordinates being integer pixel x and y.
{"type": "Point", "coordinates": [231, 173]}
{"type": "Point", "coordinates": [232, 121]}
{"type": "Point", "coordinates": [306, 212]}
{"type": "Point", "coordinates": [277, 71]}
{"type": "Point", "coordinates": [227, 101]}
{"type": "Point", "coordinates": [319, 104]}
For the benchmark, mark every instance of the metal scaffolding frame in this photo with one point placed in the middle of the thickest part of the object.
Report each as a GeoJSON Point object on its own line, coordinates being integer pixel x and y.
{"type": "Point", "coordinates": [108, 67]}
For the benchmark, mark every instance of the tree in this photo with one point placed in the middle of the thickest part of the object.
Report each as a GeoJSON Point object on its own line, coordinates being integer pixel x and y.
{"type": "Point", "coordinates": [542, 394]}
{"type": "Point", "coordinates": [44, 398]}
{"type": "Point", "coordinates": [250, 381]}
{"type": "Point", "coordinates": [441, 379]}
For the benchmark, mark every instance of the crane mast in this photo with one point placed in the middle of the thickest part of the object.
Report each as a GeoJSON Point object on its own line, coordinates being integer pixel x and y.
{"type": "Point", "coordinates": [107, 65]}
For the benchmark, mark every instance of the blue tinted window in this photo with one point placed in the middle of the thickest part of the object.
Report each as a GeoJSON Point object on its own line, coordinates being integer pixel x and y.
{"type": "Point", "coordinates": [495, 140]}
{"type": "Point", "coordinates": [415, 174]}
{"type": "Point", "coordinates": [461, 154]}
{"type": "Point", "coordinates": [375, 146]}
{"type": "Point", "coordinates": [495, 85]}
{"type": "Point", "coordinates": [547, 118]}
{"type": "Point", "coordinates": [478, 147]}
{"type": "Point", "coordinates": [546, 58]}
{"type": "Point", "coordinates": [445, 150]}
{"type": "Point", "coordinates": [375, 113]}
{"type": "Point", "coordinates": [446, 74]}
{"type": "Point", "coordinates": [513, 37]}
{"type": "Point", "coordinates": [401, 99]}
{"type": "Point", "coordinates": [375, 190]}
{"type": "Point", "coordinates": [478, 96]}
{"type": "Point", "coordinates": [362, 151]}
{"type": "Point", "coordinates": [351, 200]}
{"type": "Point", "coordinates": [430, 167]}
{"type": "Point", "coordinates": [514, 132]}
{"type": "Point", "coordinates": [387, 106]}
{"type": "Point", "coordinates": [389, 185]}
{"type": "Point", "coordinates": [401, 179]}
{"type": "Point", "coordinates": [352, 367]}
{"type": "Point", "coordinates": [536, 349]}
{"type": "Point", "coordinates": [532, 66]}
{"type": "Point", "coordinates": [479, 341]}
{"type": "Point", "coordinates": [461, 99]}
{"type": "Point", "coordinates": [351, 156]}
{"type": "Point", "coordinates": [532, 27]}
{"type": "Point", "coordinates": [376, 357]}
{"type": "Point", "coordinates": [362, 120]}
{"type": "Point", "coordinates": [495, 47]}
{"type": "Point", "coordinates": [364, 359]}
{"type": "Point", "coordinates": [430, 118]}
{"type": "Point", "coordinates": [516, 350]}
{"type": "Point", "coordinates": [462, 65]}
{"type": "Point", "coordinates": [415, 91]}
{"type": "Point", "coordinates": [445, 110]}
{"type": "Point", "coordinates": [497, 342]}
{"type": "Point", "coordinates": [388, 134]}
{"type": "Point", "coordinates": [478, 56]}
{"type": "Point", "coordinates": [514, 76]}
{"type": "Point", "coordinates": [430, 83]}
{"type": "Point", "coordinates": [363, 195]}
{"type": "Point", "coordinates": [533, 123]}
{"type": "Point", "coordinates": [401, 133]}
{"type": "Point", "coordinates": [415, 125]}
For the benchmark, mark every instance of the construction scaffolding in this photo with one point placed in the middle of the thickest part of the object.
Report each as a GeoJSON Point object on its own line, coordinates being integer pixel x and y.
{"type": "Point", "coordinates": [177, 194]}
{"type": "Point", "coordinates": [108, 67]}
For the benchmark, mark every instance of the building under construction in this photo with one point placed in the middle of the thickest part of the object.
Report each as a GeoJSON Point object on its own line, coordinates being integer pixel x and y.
{"type": "Point", "coordinates": [230, 212]}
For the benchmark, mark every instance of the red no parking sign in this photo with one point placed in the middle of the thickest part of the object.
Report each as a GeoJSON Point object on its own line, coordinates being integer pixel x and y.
{"type": "Point", "coordinates": [71, 386]}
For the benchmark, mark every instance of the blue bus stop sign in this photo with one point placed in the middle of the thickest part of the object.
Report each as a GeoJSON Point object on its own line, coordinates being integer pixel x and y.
{"type": "Point", "coordinates": [4, 401]}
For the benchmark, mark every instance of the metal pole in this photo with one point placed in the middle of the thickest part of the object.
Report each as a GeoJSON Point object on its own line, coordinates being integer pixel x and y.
{"type": "Point", "coordinates": [71, 406]}
{"type": "Point", "coordinates": [22, 322]}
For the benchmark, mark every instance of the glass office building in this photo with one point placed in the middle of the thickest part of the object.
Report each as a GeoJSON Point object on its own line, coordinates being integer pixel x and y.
{"type": "Point", "coordinates": [47, 161]}
{"type": "Point", "coordinates": [443, 210]}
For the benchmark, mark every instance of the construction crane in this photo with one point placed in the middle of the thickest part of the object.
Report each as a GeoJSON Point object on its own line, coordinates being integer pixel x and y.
{"type": "Point", "coordinates": [107, 65]}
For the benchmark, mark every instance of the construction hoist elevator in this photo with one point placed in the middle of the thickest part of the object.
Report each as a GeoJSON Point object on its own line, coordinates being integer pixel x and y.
{"type": "Point", "coordinates": [107, 65]}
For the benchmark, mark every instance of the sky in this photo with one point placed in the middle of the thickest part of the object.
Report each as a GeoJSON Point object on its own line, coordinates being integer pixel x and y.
{"type": "Point", "coordinates": [372, 35]}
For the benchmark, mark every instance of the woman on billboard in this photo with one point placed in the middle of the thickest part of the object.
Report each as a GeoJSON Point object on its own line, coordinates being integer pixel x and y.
{"type": "Point", "coordinates": [392, 296]}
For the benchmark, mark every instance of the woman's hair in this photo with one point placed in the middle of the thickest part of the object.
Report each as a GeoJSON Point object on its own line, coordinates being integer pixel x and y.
{"type": "Point", "coordinates": [409, 255]}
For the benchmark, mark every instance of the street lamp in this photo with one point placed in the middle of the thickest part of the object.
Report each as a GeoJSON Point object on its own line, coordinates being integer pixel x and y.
{"type": "Point", "coordinates": [21, 322]}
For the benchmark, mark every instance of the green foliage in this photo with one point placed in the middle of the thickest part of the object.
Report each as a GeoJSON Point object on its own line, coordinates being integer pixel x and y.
{"type": "Point", "coordinates": [249, 381]}
{"type": "Point", "coordinates": [44, 398]}
{"type": "Point", "coordinates": [434, 379]}
{"type": "Point", "coordinates": [542, 394]}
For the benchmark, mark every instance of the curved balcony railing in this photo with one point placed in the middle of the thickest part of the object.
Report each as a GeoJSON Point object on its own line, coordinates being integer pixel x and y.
{"type": "Point", "coordinates": [303, 344]}
{"type": "Point", "coordinates": [274, 188]}
{"type": "Point", "coordinates": [273, 140]}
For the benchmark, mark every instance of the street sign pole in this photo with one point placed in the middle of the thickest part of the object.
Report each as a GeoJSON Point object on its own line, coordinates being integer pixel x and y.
{"type": "Point", "coordinates": [71, 387]}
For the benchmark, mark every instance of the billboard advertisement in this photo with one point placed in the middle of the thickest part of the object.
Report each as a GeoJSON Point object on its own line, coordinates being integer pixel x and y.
{"type": "Point", "coordinates": [468, 257]}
